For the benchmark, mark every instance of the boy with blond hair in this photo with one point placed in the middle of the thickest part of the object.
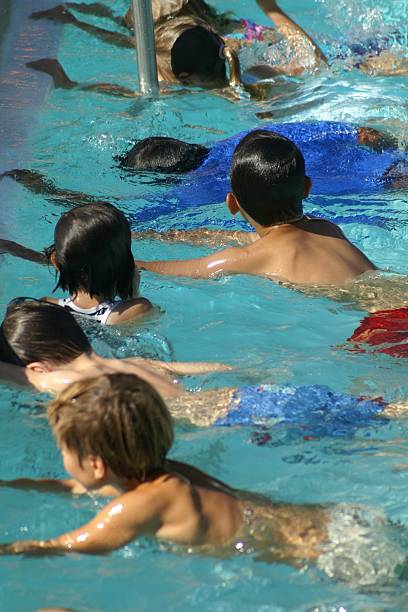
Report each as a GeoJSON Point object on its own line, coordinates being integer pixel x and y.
{"type": "Point", "coordinates": [115, 432]}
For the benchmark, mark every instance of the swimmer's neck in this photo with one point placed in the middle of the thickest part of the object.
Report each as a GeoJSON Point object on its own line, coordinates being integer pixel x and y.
{"type": "Point", "coordinates": [124, 485]}
{"type": "Point", "coordinates": [295, 224]}
{"type": "Point", "coordinates": [84, 300]}
{"type": "Point", "coordinates": [85, 361]}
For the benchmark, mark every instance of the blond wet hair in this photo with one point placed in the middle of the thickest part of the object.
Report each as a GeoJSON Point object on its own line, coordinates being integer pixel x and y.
{"type": "Point", "coordinates": [117, 417]}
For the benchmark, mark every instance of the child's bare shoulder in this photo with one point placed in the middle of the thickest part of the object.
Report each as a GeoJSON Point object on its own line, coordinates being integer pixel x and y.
{"type": "Point", "coordinates": [158, 493]}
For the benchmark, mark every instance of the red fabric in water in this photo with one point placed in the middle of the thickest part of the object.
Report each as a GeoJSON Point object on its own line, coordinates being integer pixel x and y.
{"type": "Point", "coordinates": [384, 327]}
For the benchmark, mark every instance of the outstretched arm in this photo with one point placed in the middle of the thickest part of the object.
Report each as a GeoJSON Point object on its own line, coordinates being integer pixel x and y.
{"type": "Point", "coordinates": [51, 485]}
{"type": "Point", "coordinates": [202, 237]}
{"type": "Point", "coordinates": [184, 368]}
{"type": "Point", "coordinates": [229, 261]}
{"type": "Point", "coordinates": [378, 140]}
{"type": "Point", "coordinates": [18, 250]}
{"type": "Point", "coordinates": [98, 10]}
{"type": "Point", "coordinates": [290, 29]}
{"type": "Point", "coordinates": [62, 15]}
{"type": "Point", "coordinates": [60, 78]}
{"type": "Point", "coordinates": [39, 183]}
{"type": "Point", "coordinates": [118, 524]}
{"type": "Point", "coordinates": [45, 485]}
{"type": "Point", "coordinates": [385, 64]}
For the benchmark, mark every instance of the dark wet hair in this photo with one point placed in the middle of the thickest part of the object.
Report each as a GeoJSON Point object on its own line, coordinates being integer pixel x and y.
{"type": "Point", "coordinates": [92, 246]}
{"type": "Point", "coordinates": [33, 330]}
{"type": "Point", "coordinates": [268, 177]}
{"type": "Point", "coordinates": [163, 154]}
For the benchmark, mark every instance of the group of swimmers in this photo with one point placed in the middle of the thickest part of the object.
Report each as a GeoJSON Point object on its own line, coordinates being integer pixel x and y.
{"type": "Point", "coordinates": [109, 417]}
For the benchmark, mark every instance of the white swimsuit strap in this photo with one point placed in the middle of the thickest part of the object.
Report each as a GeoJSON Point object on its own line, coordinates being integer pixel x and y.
{"type": "Point", "coordinates": [92, 312]}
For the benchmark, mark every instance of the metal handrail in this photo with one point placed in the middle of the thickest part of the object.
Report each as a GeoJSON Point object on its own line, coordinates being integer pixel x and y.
{"type": "Point", "coordinates": [145, 47]}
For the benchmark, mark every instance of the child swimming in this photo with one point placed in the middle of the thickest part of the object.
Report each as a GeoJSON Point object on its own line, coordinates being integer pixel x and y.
{"type": "Point", "coordinates": [93, 258]}
{"type": "Point", "coordinates": [115, 432]}
{"type": "Point", "coordinates": [368, 160]}
{"type": "Point", "coordinates": [170, 16]}
{"type": "Point", "coordinates": [268, 184]}
{"type": "Point", "coordinates": [59, 353]}
{"type": "Point", "coordinates": [188, 52]}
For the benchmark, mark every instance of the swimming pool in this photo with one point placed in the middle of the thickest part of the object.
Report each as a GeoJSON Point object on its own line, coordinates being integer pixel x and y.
{"type": "Point", "coordinates": [270, 333]}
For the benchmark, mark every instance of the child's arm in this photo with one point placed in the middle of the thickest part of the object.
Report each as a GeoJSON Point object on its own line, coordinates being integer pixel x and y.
{"type": "Point", "coordinates": [61, 14]}
{"type": "Point", "coordinates": [120, 522]}
{"type": "Point", "coordinates": [129, 310]}
{"type": "Point", "coordinates": [289, 28]}
{"type": "Point", "coordinates": [110, 89]}
{"type": "Point", "coordinates": [45, 485]}
{"type": "Point", "coordinates": [385, 64]}
{"type": "Point", "coordinates": [60, 78]}
{"type": "Point", "coordinates": [184, 368]}
{"type": "Point", "coordinates": [378, 140]}
{"type": "Point", "coordinates": [201, 237]}
{"type": "Point", "coordinates": [98, 10]}
{"type": "Point", "coordinates": [18, 250]}
{"type": "Point", "coordinates": [51, 485]}
{"type": "Point", "coordinates": [229, 261]}
{"type": "Point", "coordinates": [36, 182]}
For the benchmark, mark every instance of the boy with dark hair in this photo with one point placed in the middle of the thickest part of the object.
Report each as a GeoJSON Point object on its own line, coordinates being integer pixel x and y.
{"type": "Point", "coordinates": [268, 184]}
{"type": "Point", "coordinates": [164, 154]}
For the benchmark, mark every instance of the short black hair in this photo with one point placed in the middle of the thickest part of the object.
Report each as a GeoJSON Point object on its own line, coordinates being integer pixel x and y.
{"type": "Point", "coordinates": [92, 246]}
{"type": "Point", "coordinates": [268, 177]}
{"type": "Point", "coordinates": [163, 154]}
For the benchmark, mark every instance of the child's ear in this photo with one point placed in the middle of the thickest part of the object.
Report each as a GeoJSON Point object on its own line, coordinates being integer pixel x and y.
{"type": "Point", "coordinates": [308, 186]}
{"type": "Point", "coordinates": [232, 203]}
{"type": "Point", "coordinates": [39, 366]}
{"type": "Point", "coordinates": [53, 259]}
{"type": "Point", "coordinates": [98, 467]}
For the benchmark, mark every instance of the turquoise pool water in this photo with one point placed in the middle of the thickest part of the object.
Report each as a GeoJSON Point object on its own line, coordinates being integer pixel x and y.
{"type": "Point", "coordinates": [270, 333]}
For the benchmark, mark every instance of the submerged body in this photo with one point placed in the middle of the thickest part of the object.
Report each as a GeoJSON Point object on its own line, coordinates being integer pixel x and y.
{"type": "Point", "coordinates": [361, 164]}
{"type": "Point", "coordinates": [114, 433]}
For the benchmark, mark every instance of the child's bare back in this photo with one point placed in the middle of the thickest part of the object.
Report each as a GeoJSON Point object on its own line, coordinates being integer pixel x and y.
{"type": "Point", "coordinates": [114, 433]}
{"type": "Point", "coordinates": [268, 183]}
{"type": "Point", "coordinates": [310, 251]}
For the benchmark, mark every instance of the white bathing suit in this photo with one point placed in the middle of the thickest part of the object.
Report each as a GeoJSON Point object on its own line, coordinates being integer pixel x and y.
{"type": "Point", "coordinates": [99, 313]}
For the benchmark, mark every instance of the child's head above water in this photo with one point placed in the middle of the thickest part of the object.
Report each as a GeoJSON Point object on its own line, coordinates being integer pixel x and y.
{"type": "Point", "coordinates": [189, 51]}
{"type": "Point", "coordinates": [268, 178]}
{"type": "Point", "coordinates": [92, 252]}
{"type": "Point", "coordinates": [117, 417]}
{"type": "Point", "coordinates": [163, 154]}
{"type": "Point", "coordinates": [34, 331]}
